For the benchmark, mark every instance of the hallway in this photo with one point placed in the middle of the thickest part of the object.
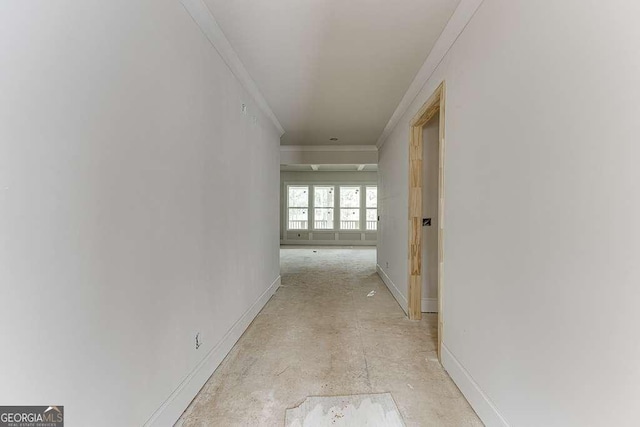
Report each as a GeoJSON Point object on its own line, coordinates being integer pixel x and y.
{"type": "Point", "coordinates": [322, 334]}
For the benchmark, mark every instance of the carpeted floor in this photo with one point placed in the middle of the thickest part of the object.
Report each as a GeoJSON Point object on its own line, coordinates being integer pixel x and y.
{"type": "Point", "coordinates": [332, 329]}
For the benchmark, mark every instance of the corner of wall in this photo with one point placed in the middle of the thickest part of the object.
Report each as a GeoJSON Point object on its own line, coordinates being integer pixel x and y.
{"type": "Point", "coordinates": [457, 23]}
{"type": "Point", "coordinates": [204, 19]}
{"type": "Point", "coordinates": [395, 291]}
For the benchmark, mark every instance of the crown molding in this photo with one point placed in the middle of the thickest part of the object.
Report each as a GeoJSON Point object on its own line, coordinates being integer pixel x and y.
{"type": "Point", "coordinates": [300, 148]}
{"type": "Point", "coordinates": [457, 23]}
{"type": "Point", "coordinates": [203, 17]}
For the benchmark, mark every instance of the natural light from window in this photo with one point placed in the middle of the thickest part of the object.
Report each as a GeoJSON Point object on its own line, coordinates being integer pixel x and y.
{"type": "Point", "coordinates": [372, 208]}
{"type": "Point", "coordinates": [349, 208]}
{"type": "Point", "coordinates": [298, 208]}
{"type": "Point", "coordinates": [323, 207]}
{"type": "Point", "coordinates": [327, 207]}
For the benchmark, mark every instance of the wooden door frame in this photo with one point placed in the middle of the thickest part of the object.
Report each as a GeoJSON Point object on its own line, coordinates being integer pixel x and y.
{"type": "Point", "coordinates": [435, 104]}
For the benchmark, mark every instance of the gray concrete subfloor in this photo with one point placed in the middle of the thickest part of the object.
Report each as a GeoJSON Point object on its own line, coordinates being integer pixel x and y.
{"type": "Point", "coordinates": [319, 335]}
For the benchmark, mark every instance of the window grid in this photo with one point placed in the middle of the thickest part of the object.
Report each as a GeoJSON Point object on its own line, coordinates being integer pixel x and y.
{"type": "Point", "coordinates": [323, 202]}
{"type": "Point", "coordinates": [298, 207]}
{"type": "Point", "coordinates": [313, 207]}
{"type": "Point", "coordinates": [350, 207]}
{"type": "Point", "coordinates": [371, 201]}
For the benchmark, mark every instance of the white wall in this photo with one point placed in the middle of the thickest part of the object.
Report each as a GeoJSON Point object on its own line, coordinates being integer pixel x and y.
{"type": "Point", "coordinates": [323, 177]}
{"type": "Point", "coordinates": [542, 203]}
{"type": "Point", "coordinates": [393, 227]}
{"type": "Point", "coordinates": [129, 182]}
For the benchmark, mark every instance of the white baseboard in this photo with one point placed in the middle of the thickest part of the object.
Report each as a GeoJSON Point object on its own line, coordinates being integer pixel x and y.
{"type": "Point", "coordinates": [478, 400]}
{"type": "Point", "coordinates": [393, 289]}
{"type": "Point", "coordinates": [171, 410]}
{"type": "Point", "coordinates": [329, 242]}
{"type": "Point", "coordinates": [429, 305]}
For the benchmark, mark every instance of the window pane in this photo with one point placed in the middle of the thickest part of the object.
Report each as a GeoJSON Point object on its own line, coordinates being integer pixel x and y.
{"type": "Point", "coordinates": [299, 197]}
{"type": "Point", "coordinates": [372, 219]}
{"type": "Point", "coordinates": [323, 219]}
{"type": "Point", "coordinates": [323, 197]}
{"type": "Point", "coordinates": [350, 197]}
{"type": "Point", "coordinates": [298, 219]}
{"type": "Point", "coordinates": [372, 197]}
{"type": "Point", "coordinates": [350, 219]}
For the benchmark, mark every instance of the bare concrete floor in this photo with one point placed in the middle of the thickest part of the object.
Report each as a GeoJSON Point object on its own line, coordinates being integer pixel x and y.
{"type": "Point", "coordinates": [321, 334]}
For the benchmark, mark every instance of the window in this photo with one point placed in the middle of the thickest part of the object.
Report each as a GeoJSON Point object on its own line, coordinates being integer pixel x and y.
{"type": "Point", "coordinates": [329, 207]}
{"type": "Point", "coordinates": [372, 208]}
{"type": "Point", "coordinates": [323, 207]}
{"type": "Point", "coordinates": [298, 207]}
{"type": "Point", "coordinates": [350, 208]}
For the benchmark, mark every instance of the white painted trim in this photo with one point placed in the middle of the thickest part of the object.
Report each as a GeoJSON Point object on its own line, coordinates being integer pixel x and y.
{"type": "Point", "coordinates": [301, 148]}
{"type": "Point", "coordinates": [478, 399]}
{"type": "Point", "coordinates": [329, 242]}
{"type": "Point", "coordinates": [429, 305]}
{"type": "Point", "coordinates": [311, 184]}
{"type": "Point", "coordinates": [203, 17]}
{"type": "Point", "coordinates": [393, 289]}
{"type": "Point", "coordinates": [171, 410]}
{"type": "Point", "coordinates": [457, 23]}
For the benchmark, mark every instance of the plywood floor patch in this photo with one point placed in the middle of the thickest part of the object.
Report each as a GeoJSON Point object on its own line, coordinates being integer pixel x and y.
{"type": "Point", "coordinates": [378, 410]}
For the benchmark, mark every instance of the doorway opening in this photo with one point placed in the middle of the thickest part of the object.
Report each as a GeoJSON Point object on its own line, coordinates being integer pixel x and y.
{"type": "Point", "coordinates": [426, 203]}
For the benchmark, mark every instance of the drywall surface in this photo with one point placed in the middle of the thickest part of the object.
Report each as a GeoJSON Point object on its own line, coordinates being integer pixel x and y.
{"type": "Point", "coordinates": [328, 155]}
{"type": "Point", "coordinates": [367, 238]}
{"type": "Point", "coordinates": [541, 237]}
{"type": "Point", "coordinates": [393, 209]}
{"type": "Point", "coordinates": [129, 185]}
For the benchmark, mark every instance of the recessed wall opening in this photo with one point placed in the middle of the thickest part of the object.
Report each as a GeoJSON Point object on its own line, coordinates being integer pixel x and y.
{"type": "Point", "coordinates": [329, 205]}
{"type": "Point", "coordinates": [426, 201]}
{"type": "Point", "coordinates": [430, 224]}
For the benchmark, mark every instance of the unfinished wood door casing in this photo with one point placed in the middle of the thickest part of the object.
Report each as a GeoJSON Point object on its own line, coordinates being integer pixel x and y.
{"type": "Point", "coordinates": [434, 105]}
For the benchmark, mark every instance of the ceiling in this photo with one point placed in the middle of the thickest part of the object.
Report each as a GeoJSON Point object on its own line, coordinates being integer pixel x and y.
{"type": "Point", "coordinates": [332, 68]}
{"type": "Point", "coordinates": [329, 168]}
